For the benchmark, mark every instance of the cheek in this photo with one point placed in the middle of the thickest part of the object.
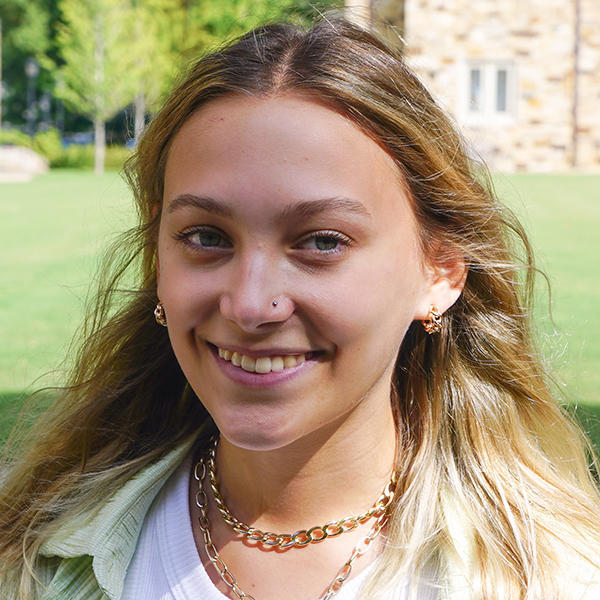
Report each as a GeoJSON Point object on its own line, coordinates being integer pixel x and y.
{"type": "Point", "coordinates": [188, 298]}
{"type": "Point", "coordinates": [374, 307]}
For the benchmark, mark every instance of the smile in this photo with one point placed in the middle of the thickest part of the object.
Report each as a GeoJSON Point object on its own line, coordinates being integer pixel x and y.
{"type": "Point", "coordinates": [263, 364]}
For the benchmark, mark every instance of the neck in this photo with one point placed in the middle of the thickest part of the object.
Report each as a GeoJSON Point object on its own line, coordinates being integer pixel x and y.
{"type": "Point", "coordinates": [338, 471]}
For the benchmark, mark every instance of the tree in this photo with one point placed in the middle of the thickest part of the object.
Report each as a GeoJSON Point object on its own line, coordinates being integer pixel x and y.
{"type": "Point", "coordinates": [209, 23]}
{"type": "Point", "coordinates": [171, 33]}
{"type": "Point", "coordinates": [115, 51]}
{"type": "Point", "coordinates": [153, 30]}
{"type": "Point", "coordinates": [25, 34]}
{"type": "Point", "coordinates": [100, 61]}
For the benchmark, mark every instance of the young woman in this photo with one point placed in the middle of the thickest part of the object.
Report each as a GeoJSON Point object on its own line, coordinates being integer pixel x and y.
{"type": "Point", "coordinates": [324, 383]}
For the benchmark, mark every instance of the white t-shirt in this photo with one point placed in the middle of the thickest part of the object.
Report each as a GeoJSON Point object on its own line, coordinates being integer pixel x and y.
{"type": "Point", "coordinates": [166, 564]}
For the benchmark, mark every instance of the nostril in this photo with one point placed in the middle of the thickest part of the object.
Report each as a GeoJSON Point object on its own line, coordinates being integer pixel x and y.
{"type": "Point", "coordinates": [253, 311]}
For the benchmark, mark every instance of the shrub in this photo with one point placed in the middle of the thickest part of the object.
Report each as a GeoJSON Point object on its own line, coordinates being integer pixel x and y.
{"type": "Point", "coordinates": [115, 157]}
{"type": "Point", "coordinates": [14, 137]}
{"type": "Point", "coordinates": [82, 157]}
{"type": "Point", "coordinates": [48, 144]}
{"type": "Point", "coordinates": [74, 157]}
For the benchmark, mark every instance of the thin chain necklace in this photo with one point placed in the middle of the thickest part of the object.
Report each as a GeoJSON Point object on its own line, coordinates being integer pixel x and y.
{"type": "Point", "coordinates": [200, 474]}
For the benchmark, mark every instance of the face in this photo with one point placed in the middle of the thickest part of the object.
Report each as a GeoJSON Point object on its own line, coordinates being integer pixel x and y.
{"type": "Point", "coordinates": [286, 246]}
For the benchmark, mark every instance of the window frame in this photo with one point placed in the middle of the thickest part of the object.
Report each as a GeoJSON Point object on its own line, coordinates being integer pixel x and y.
{"type": "Point", "coordinates": [487, 112]}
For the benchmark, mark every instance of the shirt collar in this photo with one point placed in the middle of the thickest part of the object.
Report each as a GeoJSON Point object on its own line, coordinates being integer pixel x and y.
{"type": "Point", "coordinates": [110, 532]}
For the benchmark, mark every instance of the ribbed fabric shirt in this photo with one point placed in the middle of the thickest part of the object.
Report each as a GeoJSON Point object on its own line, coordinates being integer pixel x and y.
{"type": "Point", "coordinates": [89, 558]}
{"type": "Point", "coordinates": [166, 564]}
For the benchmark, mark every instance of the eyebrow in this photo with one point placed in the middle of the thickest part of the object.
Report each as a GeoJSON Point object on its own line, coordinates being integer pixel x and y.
{"type": "Point", "coordinates": [303, 209]}
{"type": "Point", "coordinates": [308, 208]}
{"type": "Point", "coordinates": [203, 202]}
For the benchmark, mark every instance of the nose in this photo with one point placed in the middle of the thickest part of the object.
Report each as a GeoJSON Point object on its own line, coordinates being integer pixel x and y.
{"type": "Point", "coordinates": [255, 295]}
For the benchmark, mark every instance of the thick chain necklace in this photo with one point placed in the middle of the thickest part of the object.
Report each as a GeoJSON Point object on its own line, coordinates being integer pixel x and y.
{"type": "Point", "coordinates": [302, 537]}
{"type": "Point", "coordinates": [202, 470]}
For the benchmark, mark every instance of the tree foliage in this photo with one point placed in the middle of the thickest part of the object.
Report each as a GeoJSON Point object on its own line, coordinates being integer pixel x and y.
{"type": "Point", "coordinates": [100, 59]}
{"type": "Point", "coordinates": [25, 25]}
{"type": "Point", "coordinates": [175, 32]}
{"type": "Point", "coordinates": [25, 33]}
{"type": "Point", "coordinates": [100, 55]}
{"type": "Point", "coordinates": [95, 44]}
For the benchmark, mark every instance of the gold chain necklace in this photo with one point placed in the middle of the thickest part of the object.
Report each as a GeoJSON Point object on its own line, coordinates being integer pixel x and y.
{"type": "Point", "coordinates": [200, 473]}
{"type": "Point", "coordinates": [302, 537]}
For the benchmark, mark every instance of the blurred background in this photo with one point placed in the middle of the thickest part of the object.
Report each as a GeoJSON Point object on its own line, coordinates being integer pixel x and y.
{"type": "Point", "coordinates": [79, 79]}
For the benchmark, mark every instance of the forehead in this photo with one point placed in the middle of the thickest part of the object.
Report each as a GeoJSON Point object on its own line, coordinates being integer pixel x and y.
{"type": "Point", "coordinates": [277, 149]}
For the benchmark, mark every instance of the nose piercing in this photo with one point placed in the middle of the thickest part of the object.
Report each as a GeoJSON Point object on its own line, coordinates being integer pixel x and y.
{"type": "Point", "coordinates": [274, 303]}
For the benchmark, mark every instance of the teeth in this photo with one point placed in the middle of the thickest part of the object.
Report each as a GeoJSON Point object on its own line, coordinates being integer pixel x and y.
{"type": "Point", "coordinates": [289, 361]}
{"type": "Point", "coordinates": [264, 364]}
{"type": "Point", "coordinates": [277, 364]}
{"type": "Point", "coordinates": [248, 363]}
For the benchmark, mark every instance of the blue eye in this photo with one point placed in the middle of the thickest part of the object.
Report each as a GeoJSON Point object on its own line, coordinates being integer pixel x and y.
{"type": "Point", "coordinates": [325, 242]}
{"type": "Point", "coordinates": [201, 237]}
{"type": "Point", "coordinates": [207, 238]}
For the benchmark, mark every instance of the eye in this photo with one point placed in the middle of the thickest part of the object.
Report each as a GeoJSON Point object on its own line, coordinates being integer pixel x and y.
{"type": "Point", "coordinates": [325, 242]}
{"type": "Point", "coordinates": [203, 237]}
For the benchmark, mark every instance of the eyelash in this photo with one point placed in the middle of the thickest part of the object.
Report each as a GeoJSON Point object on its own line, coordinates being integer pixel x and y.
{"type": "Point", "coordinates": [185, 235]}
{"type": "Point", "coordinates": [343, 240]}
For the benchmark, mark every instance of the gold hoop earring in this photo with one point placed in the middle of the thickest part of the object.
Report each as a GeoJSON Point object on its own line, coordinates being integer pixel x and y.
{"type": "Point", "coordinates": [159, 314]}
{"type": "Point", "coordinates": [433, 322]}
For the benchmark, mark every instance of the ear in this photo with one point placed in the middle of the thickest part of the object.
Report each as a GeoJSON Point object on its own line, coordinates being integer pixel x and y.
{"type": "Point", "coordinates": [447, 272]}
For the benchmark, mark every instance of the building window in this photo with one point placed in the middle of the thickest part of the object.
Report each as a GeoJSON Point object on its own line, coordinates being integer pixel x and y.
{"type": "Point", "coordinates": [489, 91]}
{"type": "Point", "coordinates": [501, 90]}
{"type": "Point", "coordinates": [475, 90]}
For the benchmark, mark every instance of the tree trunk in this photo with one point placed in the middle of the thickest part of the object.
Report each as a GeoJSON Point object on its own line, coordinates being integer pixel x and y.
{"type": "Point", "coordinates": [140, 116]}
{"type": "Point", "coordinates": [99, 145]}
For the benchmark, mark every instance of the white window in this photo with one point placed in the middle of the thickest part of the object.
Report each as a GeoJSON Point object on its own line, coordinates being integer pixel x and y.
{"type": "Point", "coordinates": [488, 92]}
{"type": "Point", "coordinates": [475, 89]}
{"type": "Point", "coordinates": [501, 90]}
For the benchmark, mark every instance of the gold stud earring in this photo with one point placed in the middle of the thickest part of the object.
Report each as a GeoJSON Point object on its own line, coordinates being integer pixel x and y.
{"type": "Point", "coordinates": [159, 314]}
{"type": "Point", "coordinates": [433, 322]}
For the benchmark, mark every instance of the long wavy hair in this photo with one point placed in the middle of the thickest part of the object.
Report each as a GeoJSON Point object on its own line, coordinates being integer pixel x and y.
{"type": "Point", "coordinates": [485, 454]}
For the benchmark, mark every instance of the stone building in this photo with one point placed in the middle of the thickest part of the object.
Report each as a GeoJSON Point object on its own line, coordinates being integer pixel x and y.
{"type": "Point", "coordinates": [522, 78]}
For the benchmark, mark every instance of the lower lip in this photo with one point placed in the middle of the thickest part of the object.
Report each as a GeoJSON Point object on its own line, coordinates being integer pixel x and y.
{"type": "Point", "coordinates": [242, 377]}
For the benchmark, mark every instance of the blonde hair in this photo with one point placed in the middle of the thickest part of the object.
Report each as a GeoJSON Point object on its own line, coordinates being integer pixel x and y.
{"type": "Point", "coordinates": [485, 454]}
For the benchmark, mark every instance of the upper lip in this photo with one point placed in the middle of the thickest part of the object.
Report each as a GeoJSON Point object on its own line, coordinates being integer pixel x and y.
{"type": "Point", "coordinates": [261, 352]}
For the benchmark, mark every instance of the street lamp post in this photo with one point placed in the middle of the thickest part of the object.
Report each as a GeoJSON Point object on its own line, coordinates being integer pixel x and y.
{"type": "Point", "coordinates": [45, 106]}
{"type": "Point", "coordinates": [32, 70]}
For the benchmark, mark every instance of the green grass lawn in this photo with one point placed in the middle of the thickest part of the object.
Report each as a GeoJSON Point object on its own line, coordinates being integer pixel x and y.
{"type": "Point", "coordinates": [54, 228]}
{"type": "Point", "coordinates": [562, 215]}
{"type": "Point", "coordinates": [52, 232]}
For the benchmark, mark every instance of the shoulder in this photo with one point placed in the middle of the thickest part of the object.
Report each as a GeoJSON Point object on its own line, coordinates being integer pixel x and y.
{"type": "Point", "coordinates": [88, 555]}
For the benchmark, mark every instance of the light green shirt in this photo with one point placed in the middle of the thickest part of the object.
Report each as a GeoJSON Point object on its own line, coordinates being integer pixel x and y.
{"type": "Point", "coordinates": [88, 559]}
{"type": "Point", "coordinates": [94, 552]}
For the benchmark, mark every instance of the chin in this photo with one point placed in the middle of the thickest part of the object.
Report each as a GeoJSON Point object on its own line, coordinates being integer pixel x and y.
{"type": "Point", "coordinates": [259, 441]}
{"type": "Point", "coordinates": [259, 434]}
